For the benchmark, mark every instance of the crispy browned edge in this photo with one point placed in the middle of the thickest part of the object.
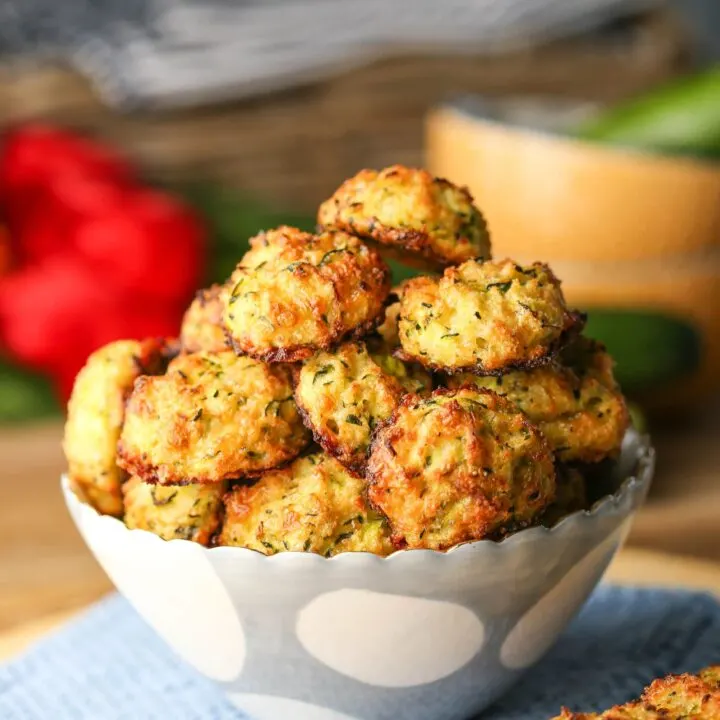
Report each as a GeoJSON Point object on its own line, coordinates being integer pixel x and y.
{"type": "Point", "coordinates": [408, 246]}
{"type": "Point", "coordinates": [589, 458]}
{"type": "Point", "coordinates": [645, 702]}
{"type": "Point", "coordinates": [693, 684]}
{"type": "Point", "coordinates": [157, 352]}
{"type": "Point", "coordinates": [355, 463]}
{"type": "Point", "coordinates": [567, 714]}
{"type": "Point", "coordinates": [202, 295]}
{"type": "Point", "coordinates": [87, 484]}
{"type": "Point", "coordinates": [298, 353]}
{"type": "Point", "coordinates": [148, 473]}
{"type": "Point", "coordinates": [207, 537]}
{"type": "Point", "coordinates": [308, 450]}
{"type": "Point", "coordinates": [573, 327]}
{"type": "Point", "coordinates": [412, 398]}
{"type": "Point", "coordinates": [172, 348]}
{"type": "Point", "coordinates": [403, 239]}
{"type": "Point", "coordinates": [411, 259]}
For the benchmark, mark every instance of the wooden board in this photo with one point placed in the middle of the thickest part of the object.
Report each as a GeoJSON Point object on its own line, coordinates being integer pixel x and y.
{"type": "Point", "coordinates": [45, 566]}
{"type": "Point", "coordinates": [647, 568]}
{"type": "Point", "coordinates": [13, 642]}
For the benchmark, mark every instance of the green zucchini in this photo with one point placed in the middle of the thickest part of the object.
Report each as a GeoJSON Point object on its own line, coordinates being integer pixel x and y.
{"type": "Point", "coordinates": [682, 118]}
{"type": "Point", "coordinates": [25, 395]}
{"type": "Point", "coordinates": [651, 350]}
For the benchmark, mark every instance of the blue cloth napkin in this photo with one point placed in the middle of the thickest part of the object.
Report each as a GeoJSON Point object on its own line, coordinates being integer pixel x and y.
{"type": "Point", "coordinates": [109, 665]}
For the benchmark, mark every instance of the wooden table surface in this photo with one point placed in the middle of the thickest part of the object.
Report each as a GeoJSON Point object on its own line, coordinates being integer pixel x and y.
{"type": "Point", "coordinates": [47, 572]}
{"type": "Point", "coordinates": [44, 564]}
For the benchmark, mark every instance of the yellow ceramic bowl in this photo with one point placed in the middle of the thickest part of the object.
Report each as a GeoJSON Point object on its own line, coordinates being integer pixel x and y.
{"type": "Point", "coordinates": [635, 239]}
{"type": "Point", "coordinates": [557, 198]}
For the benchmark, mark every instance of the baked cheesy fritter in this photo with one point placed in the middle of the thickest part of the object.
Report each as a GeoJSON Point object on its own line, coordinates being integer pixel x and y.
{"type": "Point", "coordinates": [413, 377]}
{"type": "Point", "coordinates": [484, 318]}
{"type": "Point", "coordinates": [675, 697]}
{"type": "Point", "coordinates": [412, 211]}
{"type": "Point", "coordinates": [202, 327]}
{"type": "Point", "coordinates": [211, 417]}
{"type": "Point", "coordinates": [313, 505]}
{"type": "Point", "coordinates": [459, 465]}
{"type": "Point", "coordinates": [95, 417]}
{"type": "Point", "coordinates": [295, 293]}
{"type": "Point", "coordinates": [570, 495]}
{"type": "Point", "coordinates": [307, 339]}
{"type": "Point", "coordinates": [381, 345]}
{"type": "Point", "coordinates": [574, 400]}
{"type": "Point", "coordinates": [179, 512]}
{"type": "Point", "coordinates": [343, 396]}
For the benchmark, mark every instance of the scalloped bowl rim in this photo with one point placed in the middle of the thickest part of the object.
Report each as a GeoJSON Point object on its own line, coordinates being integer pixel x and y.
{"type": "Point", "coordinates": [636, 483]}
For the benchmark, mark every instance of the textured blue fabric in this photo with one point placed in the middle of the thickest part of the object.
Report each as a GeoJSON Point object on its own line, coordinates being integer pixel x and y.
{"type": "Point", "coordinates": [109, 665]}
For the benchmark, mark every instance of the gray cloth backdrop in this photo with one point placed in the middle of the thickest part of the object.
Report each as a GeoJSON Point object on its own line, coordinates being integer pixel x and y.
{"type": "Point", "coordinates": [182, 52]}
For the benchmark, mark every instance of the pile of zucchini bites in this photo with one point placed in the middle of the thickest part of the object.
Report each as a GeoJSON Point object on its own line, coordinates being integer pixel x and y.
{"type": "Point", "coordinates": [308, 406]}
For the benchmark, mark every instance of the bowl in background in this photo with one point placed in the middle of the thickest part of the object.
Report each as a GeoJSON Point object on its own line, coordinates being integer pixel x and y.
{"type": "Point", "coordinates": [556, 197]}
{"type": "Point", "coordinates": [419, 635]}
{"type": "Point", "coordinates": [634, 236]}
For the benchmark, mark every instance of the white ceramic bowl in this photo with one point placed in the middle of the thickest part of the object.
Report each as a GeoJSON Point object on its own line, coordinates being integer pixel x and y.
{"type": "Point", "coordinates": [419, 635]}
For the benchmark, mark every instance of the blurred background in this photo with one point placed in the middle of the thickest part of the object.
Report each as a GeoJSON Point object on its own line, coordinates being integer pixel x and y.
{"type": "Point", "coordinates": [145, 141]}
